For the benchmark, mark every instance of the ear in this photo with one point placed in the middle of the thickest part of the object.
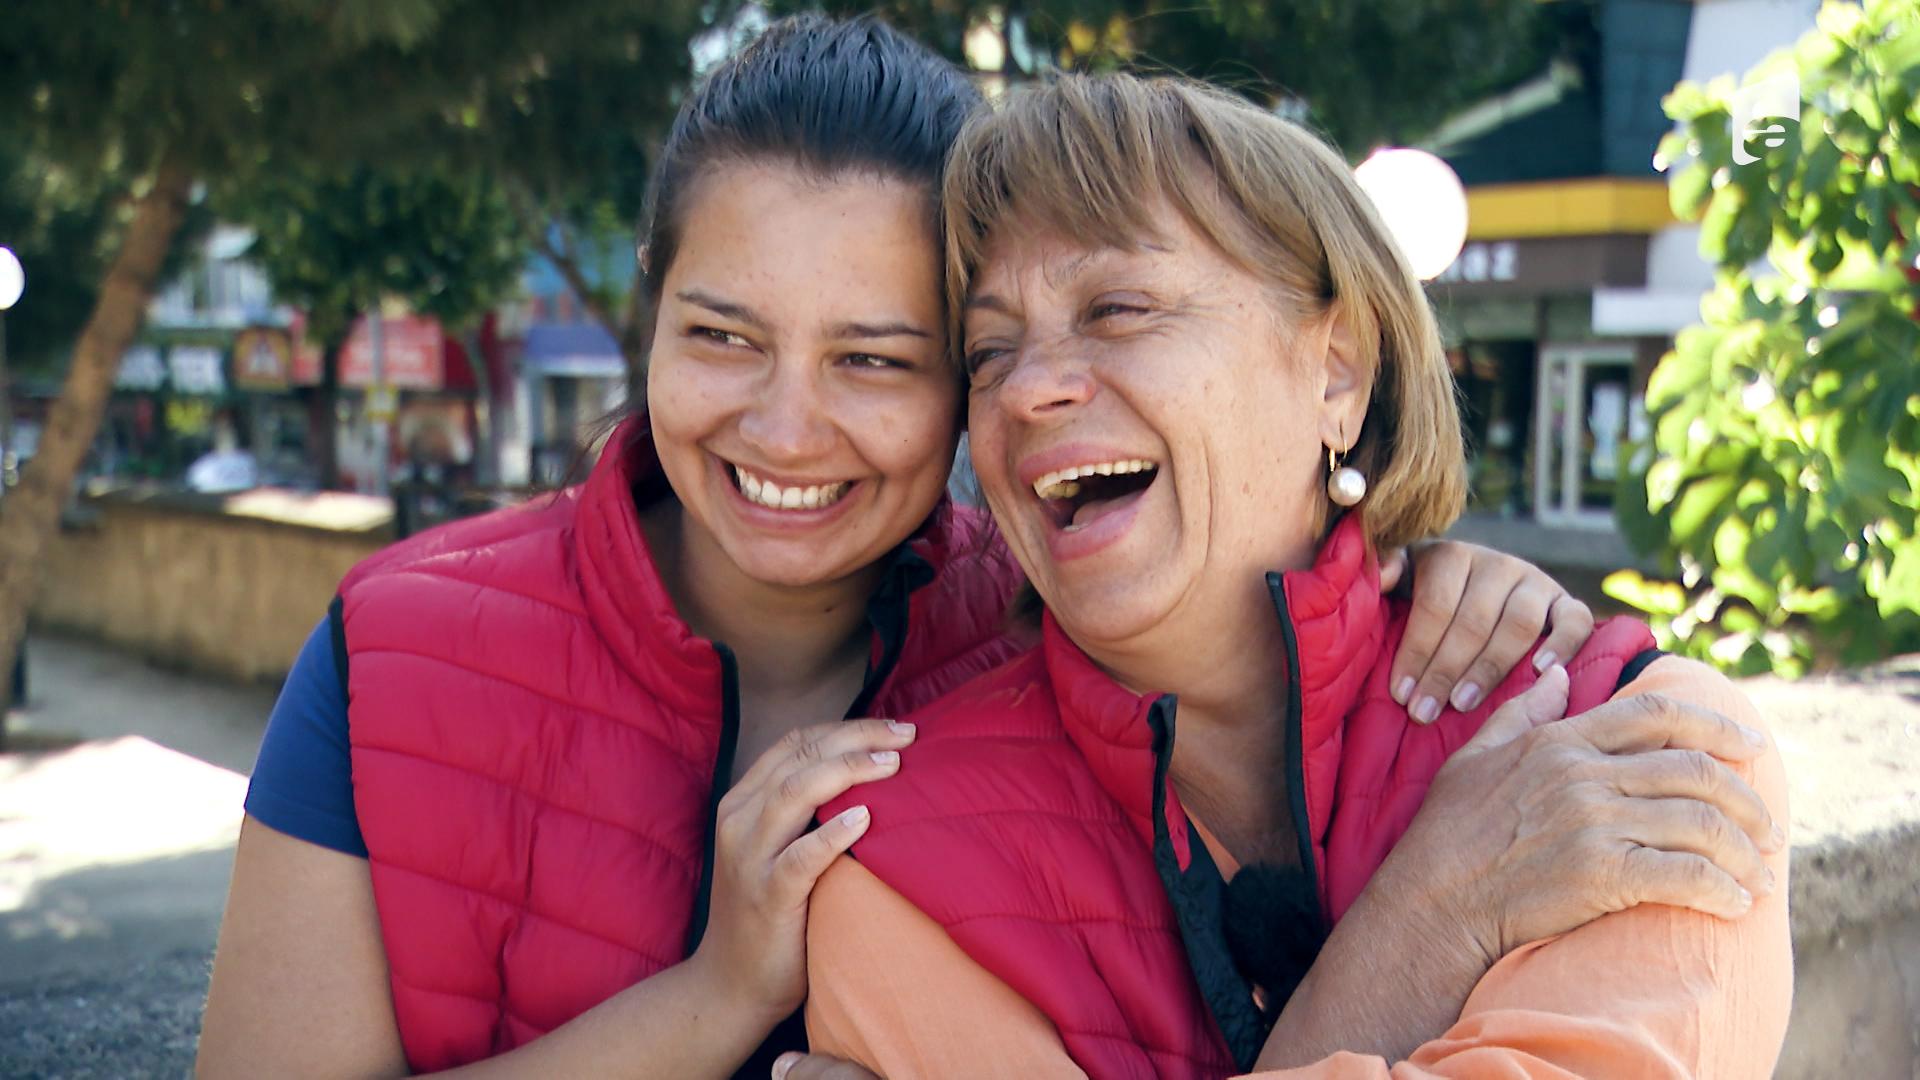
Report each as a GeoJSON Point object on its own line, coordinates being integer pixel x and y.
{"type": "Point", "coordinates": [1347, 383]}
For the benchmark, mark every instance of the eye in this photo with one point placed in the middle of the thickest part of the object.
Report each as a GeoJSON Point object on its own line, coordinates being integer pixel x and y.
{"type": "Point", "coordinates": [721, 337]}
{"type": "Point", "coordinates": [983, 364]}
{"type": "Point", "coordinates": [1107, 309]}
{"type": "Point", "coordinates": [870, 362]}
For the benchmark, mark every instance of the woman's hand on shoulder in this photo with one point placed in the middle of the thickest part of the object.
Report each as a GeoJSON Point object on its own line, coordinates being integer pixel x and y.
{"type": "Point", "coordinates": [1539, 825]}
{"type": "Point", "coordinates": [1476, 613]}
{"type": "Point", "coordinates": [766, 860]}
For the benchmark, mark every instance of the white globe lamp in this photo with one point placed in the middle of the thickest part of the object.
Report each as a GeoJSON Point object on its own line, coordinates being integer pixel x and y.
{"type": "Point", "coordinates": [13, 282]}
{"type": "Point", "coordinates": [1420, 199]}
{"type": "Point", "coordinates": [13, 279]}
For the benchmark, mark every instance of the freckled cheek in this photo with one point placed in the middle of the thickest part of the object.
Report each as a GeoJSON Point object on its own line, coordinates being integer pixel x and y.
{"type": "Point", "coordinates": [905, 439]}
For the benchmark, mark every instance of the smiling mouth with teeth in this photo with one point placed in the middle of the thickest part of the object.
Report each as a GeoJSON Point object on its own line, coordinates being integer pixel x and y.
{"type": "Point", "coordinates": [774, 497]}
{"type": "Point", "coordinates": [1077, 496]}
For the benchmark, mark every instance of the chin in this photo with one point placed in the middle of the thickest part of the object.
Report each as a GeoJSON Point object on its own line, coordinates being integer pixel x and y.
{"type": "Point", "coordinates": [1119, 607]}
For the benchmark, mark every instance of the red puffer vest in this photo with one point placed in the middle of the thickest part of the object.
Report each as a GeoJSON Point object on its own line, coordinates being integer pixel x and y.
{"type": "Point", "coordinates": [1036, 821]}
{"type": "Point", "coordinates": [536, 738]}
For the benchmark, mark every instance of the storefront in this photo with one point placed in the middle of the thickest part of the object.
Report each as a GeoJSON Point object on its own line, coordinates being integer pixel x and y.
{"type": "Point", "coordinates": [1551, 397]}
{"type": "Point", "coordinates": [572, 379]}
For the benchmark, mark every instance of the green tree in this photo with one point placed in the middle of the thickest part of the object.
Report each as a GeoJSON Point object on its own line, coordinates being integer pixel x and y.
{"type": "Point", "coordinates": [1785, 455]}
{"type": "Point", "coordinates": [334, 245]}
{"type": "Point", "coordinates": [1383, 71]}
{"type": "Point", "coordinates": [171, 93]}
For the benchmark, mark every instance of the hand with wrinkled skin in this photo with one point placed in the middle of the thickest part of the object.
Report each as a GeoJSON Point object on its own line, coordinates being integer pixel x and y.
{"type": "Point", "coordinates": [1476, 613]}
{"type": "Point", "coordinates": [1539, 825]}
{"type": "Point", "coordinates": [766, 861]}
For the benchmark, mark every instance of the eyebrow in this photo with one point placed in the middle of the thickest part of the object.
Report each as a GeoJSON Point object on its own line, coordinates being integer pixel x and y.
{"type": "Point", "coordinates": [878, 330]}
{"type": "Point", "coordinates": [729, 309]}
{"type": "Point", "coordinates": [1073, 269]}
{"type": "Point", "coordinates": [724, 308]}
{"type": "Point", "coordinates": [988, 302]}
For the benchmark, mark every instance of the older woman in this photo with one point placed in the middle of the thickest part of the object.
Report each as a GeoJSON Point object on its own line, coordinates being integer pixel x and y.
{"type": "Point", "coordinates": [1205, 390]}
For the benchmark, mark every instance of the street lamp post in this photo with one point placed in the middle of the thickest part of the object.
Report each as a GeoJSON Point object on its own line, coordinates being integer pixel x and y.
{"type": "Point", "coordinates": [13, 282]}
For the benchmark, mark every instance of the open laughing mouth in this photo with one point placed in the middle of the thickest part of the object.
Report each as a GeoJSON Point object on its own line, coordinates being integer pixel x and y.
{"type": "Point", "coordinates": [763, 492]}
{"type": "Point", "coordinates": [1078, 496]}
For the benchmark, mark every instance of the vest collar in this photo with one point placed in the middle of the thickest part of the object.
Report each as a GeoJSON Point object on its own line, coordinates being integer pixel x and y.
{"type": "Point", "coordinates": [1337, 620]}
{"type": "Point", "coordinates": [621, 584]}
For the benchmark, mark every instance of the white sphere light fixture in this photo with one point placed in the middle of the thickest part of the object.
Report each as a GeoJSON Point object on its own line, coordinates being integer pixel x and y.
{"type": "Point", "coordinates": [13, 279]}
{"type": "Point", "coordinates": [1420, 199]}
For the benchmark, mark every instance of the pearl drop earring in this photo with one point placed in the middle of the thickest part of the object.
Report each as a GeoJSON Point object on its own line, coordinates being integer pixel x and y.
{"type": "Point", "coordinates": [1346, 485]}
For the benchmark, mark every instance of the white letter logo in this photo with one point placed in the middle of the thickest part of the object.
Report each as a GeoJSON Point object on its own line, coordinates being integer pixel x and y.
{"type": "Point", "coordinates": [1777, 96]}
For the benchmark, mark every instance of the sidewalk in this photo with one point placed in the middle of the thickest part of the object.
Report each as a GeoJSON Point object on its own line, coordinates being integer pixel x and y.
{"type": "Point", "coordinates": [114, 858]}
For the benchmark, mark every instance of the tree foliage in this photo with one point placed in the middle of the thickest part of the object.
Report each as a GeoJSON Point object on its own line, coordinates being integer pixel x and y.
{"type": "Point", "coordinates": [163, 95]}
{"type": "Point", "coordinates": [1369, 73]}
{"type": "Point", "coordinates": [335, 244]}
{"type": "Point", "coordinates": [1784, 476]}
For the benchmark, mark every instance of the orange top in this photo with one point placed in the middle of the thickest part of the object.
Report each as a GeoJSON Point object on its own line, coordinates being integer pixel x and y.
{"type": "Point", "coordinates": [1651, 992]}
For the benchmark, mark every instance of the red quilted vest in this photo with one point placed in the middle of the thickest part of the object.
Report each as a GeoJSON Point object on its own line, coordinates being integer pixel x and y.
{"type": "Point", "coordinates": [1036, 822]}
{"type": "Point", "coordinates": [536, 737]}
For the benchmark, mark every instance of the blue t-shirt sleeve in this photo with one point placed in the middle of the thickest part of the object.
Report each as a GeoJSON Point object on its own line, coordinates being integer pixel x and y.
{"type": "Point", "coordinates": [303, 779]}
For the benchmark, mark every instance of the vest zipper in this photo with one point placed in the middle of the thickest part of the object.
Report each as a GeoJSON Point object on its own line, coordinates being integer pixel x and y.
{"type": "Point", "coordinates": [722, 777]}
{"type": "Point", "coordinates": [1296, 740]}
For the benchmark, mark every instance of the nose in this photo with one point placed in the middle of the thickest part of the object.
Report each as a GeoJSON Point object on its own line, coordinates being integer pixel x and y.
{"type": "Point", "coordinates": [787, 422]}
{"type": "Point", "coordinates": [1046, 380]}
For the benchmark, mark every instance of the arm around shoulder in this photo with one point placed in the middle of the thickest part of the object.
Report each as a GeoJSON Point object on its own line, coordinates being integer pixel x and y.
{"type": "Point", "coordinates": [1652, 991]}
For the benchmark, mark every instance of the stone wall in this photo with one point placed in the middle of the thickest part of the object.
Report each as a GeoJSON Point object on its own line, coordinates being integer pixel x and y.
{"type": "Point", "coordinates": [226, 585]}
{"type": "Point", "coordinates": [1852, 747]}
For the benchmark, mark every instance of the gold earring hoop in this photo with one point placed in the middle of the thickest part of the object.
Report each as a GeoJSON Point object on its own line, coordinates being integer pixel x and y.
{"type": "Point", "coordinates": [1346, 485]}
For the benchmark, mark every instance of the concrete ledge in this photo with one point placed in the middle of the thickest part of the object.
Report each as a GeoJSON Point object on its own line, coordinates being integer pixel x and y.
{"type": "Point", "coordinates": [225, 585]}
{"type": "Point", "coordinates": [1852, 748]}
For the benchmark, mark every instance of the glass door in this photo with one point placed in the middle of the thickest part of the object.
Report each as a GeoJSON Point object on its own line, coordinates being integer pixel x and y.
{"type": "Point", "coordinates": [1587, 410]}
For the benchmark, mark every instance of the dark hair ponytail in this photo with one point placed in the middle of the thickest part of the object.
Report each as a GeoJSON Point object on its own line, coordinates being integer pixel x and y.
{"type": "Point", "coordinates": [830, 96]}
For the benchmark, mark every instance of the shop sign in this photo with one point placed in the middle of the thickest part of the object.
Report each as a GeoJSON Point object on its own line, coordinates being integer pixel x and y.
{"type": "Point", "coordinates": [262, 360]}
{"type": "Point", "coordinates": [141, 370]}
{"type": "Point", "coordinates": [304, 369]}
{"type": "Point", "coordinates": [383, 403]}
{"type": "Point", "coordinates": [415, 354]}
{"type": "Point", "coordinates": [195, 369]}
{"type": "Point", "coordinates": [1483, 262]}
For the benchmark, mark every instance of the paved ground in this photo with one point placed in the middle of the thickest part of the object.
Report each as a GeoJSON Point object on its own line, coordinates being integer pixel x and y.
{"type": "Point", "coordinates": [114, 857]}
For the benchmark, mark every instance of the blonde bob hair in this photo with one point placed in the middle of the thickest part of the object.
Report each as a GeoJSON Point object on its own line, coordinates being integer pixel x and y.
{"type": "Point", "coordinates": [1091, 157]}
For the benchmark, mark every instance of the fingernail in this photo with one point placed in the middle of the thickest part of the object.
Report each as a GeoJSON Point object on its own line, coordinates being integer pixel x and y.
{"type": "Point", "coordinates": [1403, 689]}
{"type": "Point", "coordinates": [1426, 710]}
{"type": "Point", "coordinates": [1779, 838]}
{"type": "Point", "coordinates": [900, 728]}
{"type": "Point", "coordinates": [1543, 660]}
{"type": "Point", "coordinates": [1769, 871]}
{"type": "Point", "coordinates": [1753, 737]}
{"type": "Point", "coordinates": [855, 816]}
{"type": "Point", "coordinates": [886, 758]}
{"type": "Point", "coordinates": [1745, 901]}
{"type": "Point", "coordinates": [784, 1064]}
{"type": "Point", "coordinates": [1465, 695]}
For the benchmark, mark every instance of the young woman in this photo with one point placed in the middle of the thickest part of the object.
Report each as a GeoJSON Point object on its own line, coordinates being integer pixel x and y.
{"type": "Point", "coordinates": [1189, 834]}
{"type": "Point", "coordinates": [536, 798]}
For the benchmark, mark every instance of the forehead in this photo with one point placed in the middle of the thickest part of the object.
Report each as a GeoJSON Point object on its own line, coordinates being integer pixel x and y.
{"type": "Point", "coordinates": [772, 228]}
{"type": "Point", "coordinates": [1022, 255]}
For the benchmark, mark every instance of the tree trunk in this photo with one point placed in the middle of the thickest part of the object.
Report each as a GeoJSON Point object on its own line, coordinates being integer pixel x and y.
{"type": "Point", "coordinates": [486, 460]}
{"type": "Point", "coordinates": [323, 417]}
{"type": "Point", "coordinates": [30, 514]}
